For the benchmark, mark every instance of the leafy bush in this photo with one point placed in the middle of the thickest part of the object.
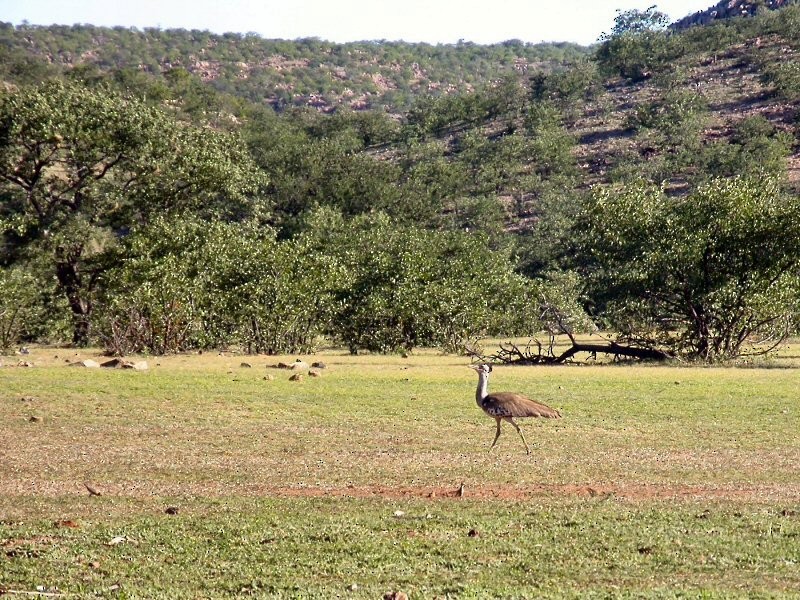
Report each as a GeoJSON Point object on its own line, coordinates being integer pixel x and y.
{"type": "Point", "coordinates": [756, 148]}
{"type": "Point", "coordinates": [20, 306]}
{"type": "Point", "coordinates": [272, 296]}
{"type": "Point", "coordinates": [638, 56]}
{"type": "Point", "coordinates": [568, 88]}
{"type": "Point", "coordinates": [30, 307]}
{"type": "Point", "coordinates": [153, 297]}
{"type": "Point", "coordinates": [407, 287]}
{"type": "Point", "coordinates": [784, 77]}
{"type": "Point", "coordinates": [188, 284]}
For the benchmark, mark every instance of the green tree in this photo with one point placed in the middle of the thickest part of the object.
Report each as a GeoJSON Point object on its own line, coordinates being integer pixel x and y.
{"type": "Point", "coordinates": [20, 306]}
{"type": "Point", "coordinates": [278, 296]}
{"type": "Point", "coordinates": [637, 21]}
{"type": "Point", "coordinates": [408, 287]}
{"type": "Point", "coordinates": [638, 45]}
{"type": "Point", "coordinates": [79, 166]}
{"type": "Point", "coordinates": [712, 275]}
{"type": "Point", "coordinates": [755, 149]}
{"type": "Point", "coordinates": [673, 124]}
{"type": "Point", "coordinates": [185, 283]}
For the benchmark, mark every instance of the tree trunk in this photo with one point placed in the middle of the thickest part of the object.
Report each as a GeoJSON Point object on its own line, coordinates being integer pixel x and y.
{"type": "Point", "coordinates": [69, 277]}
{"type": "Point", "coordinates": [615, 349]}
{"type": "Point", "coordinates": [513, 355]}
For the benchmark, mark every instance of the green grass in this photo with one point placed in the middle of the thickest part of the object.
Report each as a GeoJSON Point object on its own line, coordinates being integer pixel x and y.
{"type": "Point", "coordinates": [323, 547]}
{"type": "Point", "coordinates": [658, 482]}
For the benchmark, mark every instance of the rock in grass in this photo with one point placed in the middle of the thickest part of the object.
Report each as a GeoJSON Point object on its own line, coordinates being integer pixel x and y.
{"type": "Point", "coordinates": [88, 363]}
{"type": "Point", "coordinates": [115, 363]}
{"type": "Point", "coordinates": [296, 377]}
{"type": "Point", "coordinates": [93, 491]}
{"type": "Point", "coordinates": [118, 363]}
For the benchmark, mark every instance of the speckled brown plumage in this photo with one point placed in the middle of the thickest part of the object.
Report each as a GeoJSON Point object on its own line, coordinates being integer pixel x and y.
{"type": "Point", "coordinates": [510, 404]}
{"type": "Point", "coordinates": [504, 406]}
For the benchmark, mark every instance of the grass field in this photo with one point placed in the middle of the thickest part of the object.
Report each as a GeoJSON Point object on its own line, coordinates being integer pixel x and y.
{"type": "Point", "coordinates": [660, 481]}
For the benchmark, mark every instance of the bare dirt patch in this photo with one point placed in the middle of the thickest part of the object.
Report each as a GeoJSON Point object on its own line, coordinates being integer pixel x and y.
{"type": "Point", "coordinates": [632, 492]}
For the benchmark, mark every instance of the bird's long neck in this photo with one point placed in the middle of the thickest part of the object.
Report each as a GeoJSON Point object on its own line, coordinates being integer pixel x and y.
{"type": "Point", "coordinates": [483, 387]}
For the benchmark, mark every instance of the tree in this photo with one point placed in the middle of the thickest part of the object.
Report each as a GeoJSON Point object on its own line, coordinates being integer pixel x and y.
{"type": "Point", "coordinates": [20, 306]}
{"type": "Point", "coordinates": [80, 166]}
{"type": "Point", "coordinates": [756, 148]}
{"type": "Point", "coordinates": [673, 124]}
{"type": "Point", "coordinates": [636, 21]}
{"type": "Point", "coordinates": [406, 287]}
{"type": "Point", "coordinates": [638, 45]}
{"type": "Point", "coordinates": [711, 276]}
{"type": "Point", "coordinates": [185, 283]}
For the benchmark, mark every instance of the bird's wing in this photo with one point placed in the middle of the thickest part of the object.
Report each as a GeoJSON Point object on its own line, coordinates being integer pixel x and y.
{"type": "Point", "coordinates": [510, 404]}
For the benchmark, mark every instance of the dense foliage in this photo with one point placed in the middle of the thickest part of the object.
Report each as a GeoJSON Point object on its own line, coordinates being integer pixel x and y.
{"type": "Point", "coordinates": [79, 165]}
{"type": "Point", "coordinates": [165, 191]}
{"type": "Point", "coordinates": [284, 73]}
{"type": "Point", "coordinates": [711, 275]}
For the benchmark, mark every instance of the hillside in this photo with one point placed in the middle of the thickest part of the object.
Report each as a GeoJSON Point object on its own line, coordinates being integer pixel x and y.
{"type": "Point", "coordinates": [733, 69]}
{"type": "Point", "coordinates": [282, 73]}
{"type": "Point", "coordinates": [733, 84]}
{"type": "Point", "coordinates": [728, 9]}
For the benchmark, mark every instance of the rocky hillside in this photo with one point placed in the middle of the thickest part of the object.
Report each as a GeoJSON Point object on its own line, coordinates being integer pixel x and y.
{"type": "Point", "coordinates": [730, 87]}
{"type": "Point", "coordinates": [733, 69]}
{"type": "Point", "coordinates": [306, 72]}
{"type": "Point", "coordinates": [728, 9]}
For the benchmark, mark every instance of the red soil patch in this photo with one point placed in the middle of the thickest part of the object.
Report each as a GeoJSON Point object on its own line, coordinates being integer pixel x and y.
{"type": "Point", "coordinates": [622, 491]}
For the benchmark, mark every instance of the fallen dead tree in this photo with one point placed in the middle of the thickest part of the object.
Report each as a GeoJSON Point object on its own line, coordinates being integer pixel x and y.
{"type": "Point", "coordinates": [537, 353]}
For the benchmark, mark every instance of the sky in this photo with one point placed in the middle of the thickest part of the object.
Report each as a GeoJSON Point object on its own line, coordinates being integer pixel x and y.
{"type": "Point", "coordinates": [432, 21]}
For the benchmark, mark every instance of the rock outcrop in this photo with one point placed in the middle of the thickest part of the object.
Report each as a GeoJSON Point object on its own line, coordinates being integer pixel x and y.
{"type": "Point", "coordinates": [728, 9]}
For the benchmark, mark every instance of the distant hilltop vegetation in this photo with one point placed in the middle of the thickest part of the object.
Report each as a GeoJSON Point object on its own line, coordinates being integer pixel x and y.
{"type": "Point", "coordinates": [728, 9]}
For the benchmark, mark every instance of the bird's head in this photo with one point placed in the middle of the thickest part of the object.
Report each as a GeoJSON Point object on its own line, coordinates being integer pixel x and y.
{"type": "Point", "coordinates": [482, 368]}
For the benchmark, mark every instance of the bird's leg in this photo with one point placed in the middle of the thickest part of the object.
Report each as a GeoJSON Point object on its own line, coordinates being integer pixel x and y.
{"type": "Point", "coordinates": [519, 431]}
{"type": "Point", "coordinates": [497, 435]}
